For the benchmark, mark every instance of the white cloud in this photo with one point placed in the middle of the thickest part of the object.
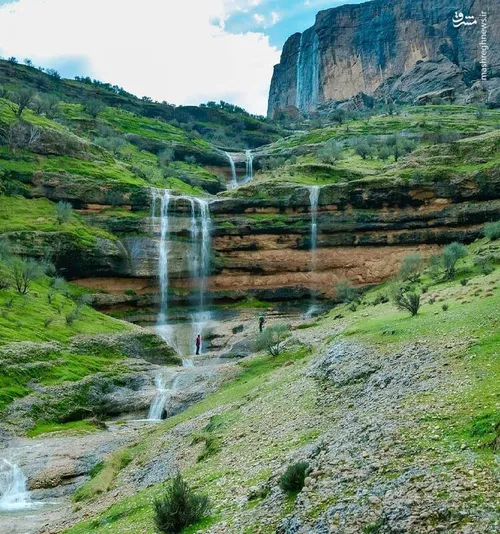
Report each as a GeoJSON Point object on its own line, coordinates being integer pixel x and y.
{"type": "Point", "coordinates": [275, 18]}
{"type": "Point", "coordinates": [167, 50]}
{"type": "Point", "coordinates": [259, 19]}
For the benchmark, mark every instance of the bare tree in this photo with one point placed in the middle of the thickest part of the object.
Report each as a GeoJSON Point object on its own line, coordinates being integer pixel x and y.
{"type": "Point", "coordinates": [93, 107]}
{"type": "Point", "coordinates": [20, 134]}
{"type": "Point", "coordinates": [23, 98]}
{"type": "Point", "coordinates": [24, 272]}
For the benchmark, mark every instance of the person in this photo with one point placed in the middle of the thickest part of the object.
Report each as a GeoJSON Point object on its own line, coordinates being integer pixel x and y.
{"type": "Point", "coordinates": [198, 344]}
{"type": "Point", "coordinates": [261, 323]}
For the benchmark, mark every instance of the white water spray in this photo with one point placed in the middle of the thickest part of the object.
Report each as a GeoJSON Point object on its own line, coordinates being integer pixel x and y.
{"type": "Point", "coordinates": [249, 165]}
{"type": "Point", "coordinates": [158, 403]}
{"type": "Point", "coordinates": [13, 491]}
{"type": "Point", "coordinates": [164, 197]}
{"type": "Point", "coordinates": [313, 200]}
{"type": "Point", "coordinates": [234, 181]}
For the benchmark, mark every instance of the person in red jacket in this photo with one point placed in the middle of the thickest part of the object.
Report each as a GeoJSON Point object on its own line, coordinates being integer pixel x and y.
{"type": "Point", "coordinates": [198, 344]}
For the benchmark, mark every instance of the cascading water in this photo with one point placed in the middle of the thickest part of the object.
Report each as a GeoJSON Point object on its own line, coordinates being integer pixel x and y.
{"type": "Point", "coordinates": [158, 403]}
{"type": "Point", "coordinates": [249, 165]}
{"type": "Point", "coordinates": [234, 181]}
{"type": "Point", "coordinates": [307, 71]}
{"type": "Point", "coordinates": [313, 201]}
{"type": "Point", "coordinates": [164, 197]}
{"type": "Point", "coordinates": [13, 492]}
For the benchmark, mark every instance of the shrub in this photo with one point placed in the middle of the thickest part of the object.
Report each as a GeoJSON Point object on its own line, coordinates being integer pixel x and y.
{"type": "Point", "coordinates": [451, 254]}
{"type": "Point", "coordinates": [73, 315]}
{"type": "Point", "coordinates": [445, 307]}
{"type": "Point", "coordinates": [292, 480]}
{"type": "Point", "coordinates": [47, 322]}
{"type": "Point", "coordinates": [63, 211]}
{"type": "Point", "coordinates": [93, 107]}
{"type": "Point", "coordinates": [165, 157]}
{"type": "Point", "coordinates": [23, 98]}
{"type": "Point", "coordinates": [484, 264]}
{"type": "Point", "coordinates": [405, 300]}
{"type": "Point", "coordinates": [345, 292]}
{"type": "Point", "coordinates": [271, 339]}
{"type": "Point", "coordinates": [180, 507]}
{"type": "Point", "coordinates": [380, 299]}
{"type": "Point", "coordinates": [412, 267]}
{"type": "Point", "coordinates": [130, 292]}
{"type": "Point", "coordinates": [190, 159]}
{"type": "Point", "coordinates": [464, 281]}
{"type": "Point", "coordinates": [492, 230]}
{"type": "Point", "coordinates": [330, 152]}
{"type": "Point", "coordinates": [24, 272]}
{"type": "Point", "coordinates": [112, 144]}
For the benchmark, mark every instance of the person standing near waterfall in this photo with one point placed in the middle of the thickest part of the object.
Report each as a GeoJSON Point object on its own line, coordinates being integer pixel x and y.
{"type": "Point", "coordinates": [261, 322]}
{"type": "Point", "coordinates": [198, 344]}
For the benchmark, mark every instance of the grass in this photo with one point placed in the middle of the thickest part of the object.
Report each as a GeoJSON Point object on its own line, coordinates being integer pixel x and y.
{"type": "Point", "coordinates": [72, 427]}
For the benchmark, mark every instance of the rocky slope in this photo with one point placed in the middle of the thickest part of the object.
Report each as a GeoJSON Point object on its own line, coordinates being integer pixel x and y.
{"type": "Point", "coordinates": [359, 48]}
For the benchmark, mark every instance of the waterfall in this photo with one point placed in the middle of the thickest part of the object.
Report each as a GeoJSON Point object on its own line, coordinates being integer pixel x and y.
{"type": "Point", "coordinates": [13, 492]}
{"type": "Point", "coordinates": [314, 191]}
{"type": "Point", "coordinates": [158, 402]}
{"type": "Point", "coordinates": [163, 394]}
{"type": "Point", "coordinates": [234, 181]}
{"type": "Point", "coordinates": [249, 165]}
{"type": "Point", "coordinates": [163, 249]}
{"type": "Point", "coordinates": [307, 71]}
{"type": "Point", "coordinates": [313, 200]}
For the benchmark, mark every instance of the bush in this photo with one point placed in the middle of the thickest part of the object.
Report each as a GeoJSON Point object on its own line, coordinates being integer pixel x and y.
{"type": "Point", "coordinates": [271, 339]}
{"type": "Point", "coordinates": [93, 107]}
{"type": "Point", "coordinates": [112, 144]}
{"type": "Point", "coordinates": [492, 230]}
{"type": "Point", "coordinates": [63, 211]}
{"type": "Point", "coordinates": [464, 281]}
{"type": "Point", "coordinates": [484, 264]}
{"type": "Point", "coordinates": [412, 267]}
{"type": "Point", "coordinates": [445, 307]}
{"type": "Point", "coordinates": [292, 480]}
{"type": "Point", "coordinates": [405, 300]}
{"type": "Point", "coordinates": [451, 254]}
{"type": "Point", "coordinates": [330, 152]}
{"type": "Point", "coordinates": [165, 157]}
{"type": "Point", "coordinates": [345, 292]}
{"type": "Point", "coordinates": [180, 507]}
{"type": "Point", "coordinates": [24, 272]}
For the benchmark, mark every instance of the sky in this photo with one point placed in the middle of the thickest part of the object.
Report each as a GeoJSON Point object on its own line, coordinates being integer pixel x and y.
{"type": "Point", "coordinates": [180, 51]}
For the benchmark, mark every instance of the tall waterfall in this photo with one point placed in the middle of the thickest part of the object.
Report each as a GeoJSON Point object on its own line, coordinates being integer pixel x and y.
{"type": "Point", "coordinates": [234, 181]}
{"type": "Point", "coordinates": [13, 492]}
{"type": "Point", "coordinates": [249, 165]}
{"type": "Point", "coordinates": [164, 197]}
{"type": "Point", "coordinates": [313, 200]}
{"type": "Point", "coordinates": [314, 191]}
{"type": "Point", "coordinates": [307, 71]}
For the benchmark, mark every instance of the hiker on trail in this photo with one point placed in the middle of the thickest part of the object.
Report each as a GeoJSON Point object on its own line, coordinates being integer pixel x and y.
{"type": "Point", "coordinates": [261, 322]}
{"type": "Point", "coordinates": [198, 344]}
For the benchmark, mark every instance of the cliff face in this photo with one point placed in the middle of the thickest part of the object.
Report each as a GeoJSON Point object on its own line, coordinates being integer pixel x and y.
{"type": "Point", "coordinates": [356, 48]}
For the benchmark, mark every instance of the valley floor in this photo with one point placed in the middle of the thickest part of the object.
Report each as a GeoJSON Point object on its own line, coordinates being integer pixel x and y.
{"type": "Point", "coordinates": [397, 416]}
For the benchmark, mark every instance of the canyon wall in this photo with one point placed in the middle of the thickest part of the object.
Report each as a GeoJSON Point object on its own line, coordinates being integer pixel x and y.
{"type": "Point", "coordinates": [357, 48]}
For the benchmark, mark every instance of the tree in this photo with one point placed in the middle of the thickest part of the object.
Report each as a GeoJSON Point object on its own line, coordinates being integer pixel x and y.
{"type": "Point", "coordinates": [23, 98]}
{"type": "Point", "coordinates": [180, 507]}
{"type": "Point", "coordinates": [113, 144]}
{"type": "Point", "coordinates": [53, 74]}
{"type": "Point", "coordinates": [63, 211]}
{"type": "Point", "coordinates": [362, 148]}
{"type": "Point", "coordinates": [330, 152]}
{"type": "Point", "coordinates": [412, 267]}
{"type": "Point", "coordinates": [292, 480]}
{"type": "Point", "coordinates": [451, 254]}
{"type": "Point", "coordinates": [49, 105]}
{"type": "Point", "coordinates": [24, 272]}
{"type": "Point", "coordinates": [272, 338]}
{"type": "Point", "coordinates": [345, 292]}
{"type": "Point", "coordinates": [28, 62]}
{"type": "Point", "coordinates": [93, 107]}
{"type": "Point", "coordinates": [165, 157]}
{"type": "Point", "coordinates": [405, 300]}
{"type": "Point", "coordinates": [339, 116]}
{"type": "Point", "coordinates": [20, 134]}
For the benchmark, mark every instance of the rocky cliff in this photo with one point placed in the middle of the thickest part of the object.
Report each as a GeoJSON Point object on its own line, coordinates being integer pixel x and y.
{"type": "Point", "coordinates": [357, 48]}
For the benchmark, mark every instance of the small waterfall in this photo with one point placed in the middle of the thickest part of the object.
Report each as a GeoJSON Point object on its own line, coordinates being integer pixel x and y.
{"type": "Point", "coordinates": [13, 492]}
{"type": "Point", "coordinates": [249, 165]}
{"type": "Point", "coordinates": [158, 402]}
{"type": "Point", "coordinates": [298, 76]}
{"type": "Point", "coordinates": [234, 181]}
{"type": "Point", "coordinates": [163, 394]}
{"type": "Point", "coordinates": [307, 71]}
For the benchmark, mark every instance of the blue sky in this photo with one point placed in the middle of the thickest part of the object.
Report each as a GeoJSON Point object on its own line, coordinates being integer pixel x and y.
{"type": "Point", "coordinates": [180, 51]}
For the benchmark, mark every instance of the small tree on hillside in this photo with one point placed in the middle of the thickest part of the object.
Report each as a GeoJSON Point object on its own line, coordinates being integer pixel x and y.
{"type": "Point", "coordinates": [93, 107]}
{"type": "Point", "coordinates": [330, 152]}
{"type": "Point", "coordinates": [405, 300]}
{"type": "Point", "coordinates": [165, 157]}
{"type": "Point", "coordinates": [272, 339]}
{"type": "Point", "coordinates": [451, 254]}
{"type": "Point", "coordinates": [412, 267]}
{"type": "Point", "coordinates": [24, 272]}
{"type": "Point", "coordinates": [23, 98]}
{"type": "Point", "coordinates": [63, 211]}
{"type": "Point", "coordinates": [345, 292]}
